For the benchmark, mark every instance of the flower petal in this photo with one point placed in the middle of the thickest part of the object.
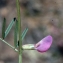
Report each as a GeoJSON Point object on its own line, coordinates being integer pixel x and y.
{"type": "Point", "coordinates": [44, 44]}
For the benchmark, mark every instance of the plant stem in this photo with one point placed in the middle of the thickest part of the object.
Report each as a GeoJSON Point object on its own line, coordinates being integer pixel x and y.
{"type": "Point", "coordinates": [19, 31]}
{"type": "Point", "coordinates": [8, 44]}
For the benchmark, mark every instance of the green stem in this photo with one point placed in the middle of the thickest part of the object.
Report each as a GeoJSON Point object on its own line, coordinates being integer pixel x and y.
{"type": "Point", "coordinates": [9, 44]}
{"type": "Point", "coordinates": [19, 31]}
{"type": "Point", "coordinates": [24, 48]}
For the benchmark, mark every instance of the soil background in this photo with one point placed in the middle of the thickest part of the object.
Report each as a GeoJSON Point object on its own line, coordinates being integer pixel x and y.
{"type": "Point", "coordinates": [42, 17]}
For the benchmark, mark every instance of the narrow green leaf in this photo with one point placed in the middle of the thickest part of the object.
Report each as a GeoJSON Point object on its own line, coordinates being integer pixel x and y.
{"type": "Point", "coordinates": [15, 34]}
{"type": "Point", "coordinates": [3, 28]}
{"type": "Point", "coordinates": [9, 27]}
{"type": "Point", "coordinates": [24, 33]}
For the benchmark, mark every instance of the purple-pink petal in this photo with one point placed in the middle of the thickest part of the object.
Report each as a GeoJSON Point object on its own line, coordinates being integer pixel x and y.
{"type": "Point", "coordinates": [44, 44]}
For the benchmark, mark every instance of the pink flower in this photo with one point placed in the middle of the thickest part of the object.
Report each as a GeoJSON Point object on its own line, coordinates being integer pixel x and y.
{"type": "Point", "coordinates": [44, 44]}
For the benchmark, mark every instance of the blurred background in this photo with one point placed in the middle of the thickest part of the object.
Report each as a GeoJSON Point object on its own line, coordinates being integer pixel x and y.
{"type": "Point", "coordinates": [42, 17]}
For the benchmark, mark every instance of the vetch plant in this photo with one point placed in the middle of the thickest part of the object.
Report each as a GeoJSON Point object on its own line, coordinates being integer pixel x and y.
{"type": "Point", "coordinates": [42, 46]}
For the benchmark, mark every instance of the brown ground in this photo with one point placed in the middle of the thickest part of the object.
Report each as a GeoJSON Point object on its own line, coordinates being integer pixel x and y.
{"type": "Point", "coordinates": [42, 17]}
